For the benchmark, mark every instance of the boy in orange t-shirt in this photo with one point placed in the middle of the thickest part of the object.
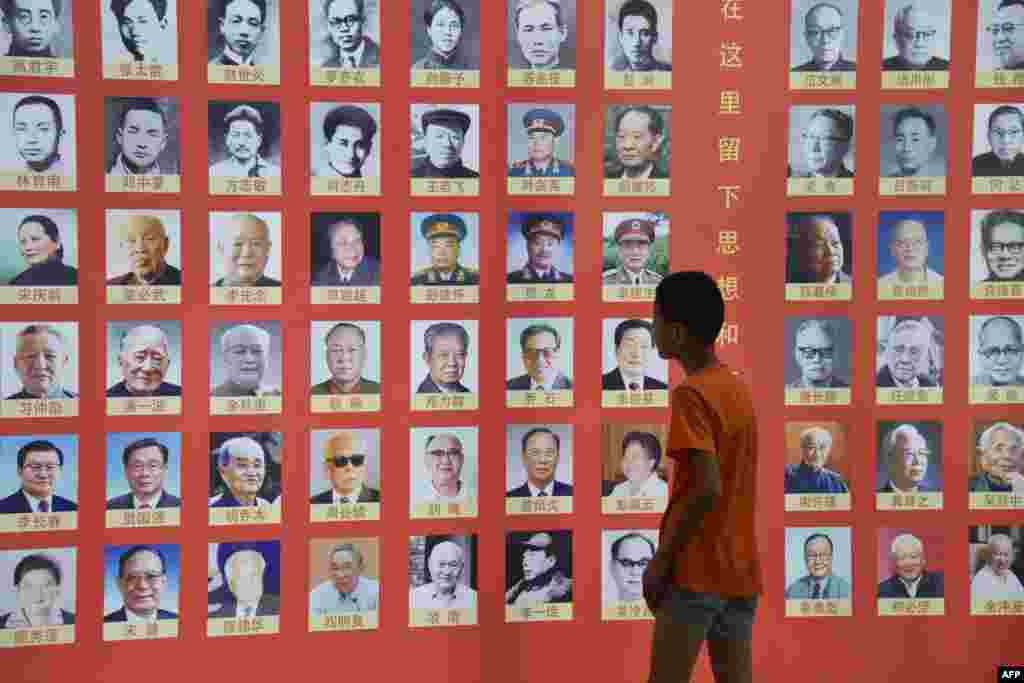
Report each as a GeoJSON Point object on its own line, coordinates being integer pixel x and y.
{"type": "Point", "coordinates": [705, 578]}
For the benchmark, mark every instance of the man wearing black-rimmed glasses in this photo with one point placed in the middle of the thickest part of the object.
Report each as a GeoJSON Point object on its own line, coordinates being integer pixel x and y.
{"type": "Point", "coordinates": [1000, 352]}
{"type": "Point", "coordinates": [351, 49]}
{"type": "Point", "coordinates": [814, 353]}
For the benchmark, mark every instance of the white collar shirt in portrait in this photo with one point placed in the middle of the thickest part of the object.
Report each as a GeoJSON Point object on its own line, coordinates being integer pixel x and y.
{"type": "Point", "coordinates": [133, 618]}
{"type": "Point", "coordinates": [426, 493]}
{"type": "Point", "coordinates": [137, 503]}
{"type": "Point", "coordinates": [914, 383]}
{"type": "Point", "coordinates": [17, 619]}
{"type": "Point", "coordinates": [352, 60]}
{"type": "Point", "coordinates": [534, 386]}
{"type": "Point", "coordinates": [894, 278]}
{"type": "Point", "coordinates": [350, 498]}
{"type": "Point", "coordinates": [428, 596]}
{"type": "Point", "coordinates": [246, 610]}
{"type": "Point", "coordinates": [34, 502]}
{"type": "Point", "coordinates": [548, 490]}
{"type": "Point", "coordinates": [897, 489]}
{"type": "Point", "coordinates": [987, 585]}
{"type": "Point", "coordinates": [642, 176]}
{"type": "Point", "coordinates": [326, 599]}
{"type": "Point", "coordinates": [654, 487]}
{"type": "Point", "coordinates": [911, 586]}
{"type": "Point", "coordinates": [238, 59]}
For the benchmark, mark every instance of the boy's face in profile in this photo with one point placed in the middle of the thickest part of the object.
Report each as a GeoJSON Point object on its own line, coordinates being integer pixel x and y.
{"type": "Point", "coordinates": [666, 336]}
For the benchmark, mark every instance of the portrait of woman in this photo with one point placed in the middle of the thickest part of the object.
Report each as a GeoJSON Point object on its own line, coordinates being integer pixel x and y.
{"type": "Point", "coordinates": [641, 455]}
{"type": "Point", "coordinates": [40, 246]}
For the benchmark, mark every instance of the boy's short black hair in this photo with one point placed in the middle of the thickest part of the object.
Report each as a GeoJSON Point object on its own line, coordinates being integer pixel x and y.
{"type": "Point", "coordinates": [692, 297]}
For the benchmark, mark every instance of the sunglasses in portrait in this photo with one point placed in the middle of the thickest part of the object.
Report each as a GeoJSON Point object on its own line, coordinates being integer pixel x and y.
{"type": "Point", "coordinates": [343, 461]}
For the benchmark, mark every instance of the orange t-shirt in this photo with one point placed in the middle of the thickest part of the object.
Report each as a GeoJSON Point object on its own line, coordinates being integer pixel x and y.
{"type": "Point", "coordinates": [713, 411]}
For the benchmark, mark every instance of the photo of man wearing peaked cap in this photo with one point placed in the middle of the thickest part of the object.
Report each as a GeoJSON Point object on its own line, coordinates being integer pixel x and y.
{"type": "Point", "coordinates": [544, 128]}
{"type": "Point", "coordinates": [445, 232]}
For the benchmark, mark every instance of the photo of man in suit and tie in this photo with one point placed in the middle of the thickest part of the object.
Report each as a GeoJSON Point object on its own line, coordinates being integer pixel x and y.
{"type": "Point", "coordinates": [142, 578]}
{"type": "Point", "coordinates": [540, 344]}
{"type": "Point", "coordinates": [820, 582]}
{"type": "Point", "coordinates": [345, 23]}
{"type": "Point", "coordinates": [910, 579]}
{"type": "Point", "coordinates": [242, 27]}
{"type": "Point", "coordinates": [245, 580]}
{"type": "Point", "coordinates": [634, 341]}
{"type": "Point", "coordinates": [39, 581]}
{"type": "Point", "coordinates": [341, 242]}
{"type": "Point", "coordinates": [345, 456]}
{"type": "Point", "coordinates": [145, 461]}
{"type": "Point", "coordinates": [40, 467]}
{"type": "Point", "coordinates": [541, 451]}
{"type": "Point", "coordinates": [446, 351]}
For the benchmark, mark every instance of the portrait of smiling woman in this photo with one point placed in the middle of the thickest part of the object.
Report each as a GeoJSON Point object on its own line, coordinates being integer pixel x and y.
{"type": "Point", "coordinates": [42, 250]}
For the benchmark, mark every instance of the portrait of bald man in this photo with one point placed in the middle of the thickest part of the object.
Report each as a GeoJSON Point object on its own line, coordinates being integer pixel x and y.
{"type": "Point", "coordinates": [820, 248]}
{"type": "Point", "coordinates": [912, 244]}
{"type": "Point", "coordinates": [996, 579]}
{"type": "Point", "coordinates": [142, 243]}
{"type": "Point", "coordinates": [910, 576]}
{"type": "Point", "coordinates": [143, 358]}
{"type": "Point", "coordinates": [244, 244]}
{"type": "Point", "coordinates": [247, 574]}
{"type": "Point", "coordinates": [347, 589]}
{"type": "Point", "coordinates": [920, 35]}
{"type": "Point", "coordinates": [999, 460]}
{"type": "Point", "coordinates": [345, 249]}
{"type": "Point", "coordinates": [826, 33]}
{"type": "Point", "coordinates": [245, 358]}
{"type": "Point", "coordinates": [345, 355]}
{"type": "Point", "coordinates": [38, 29]}
{"type": "Point", "coordinates": [438, 470]}
{"type": "Point", "coordinates": [447, 584]}
{"type": "Point", "coordinates": [42, 356]}
{"type": "Point", "coordinates": [342, 33]}
{"type": "Point", "coordinates": [345, 456]}
{"type": "Point", "coordinates": [909, 458]}
{"type": "Point", "coordinates": [998, 349]}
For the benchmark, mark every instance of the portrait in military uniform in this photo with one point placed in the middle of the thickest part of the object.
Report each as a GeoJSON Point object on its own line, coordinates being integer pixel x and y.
{"type": "Point", "coordinates": [245, 359]}
{"type": "Point", "coordinates": [345, 139]}
{"type": "Point", "coordinates": [144, 358]}
{"type": "Point", "coordinates": [39, 475]}
{"type": "Point", "coordinates": [539, 354]}
{"type": "Point", "coordinates": [37, 29]}
{"type": "Point", "coordinates": [40, 590]}
{"type": "Point", "coordinates": [41, 360]}
{"type": "Point", "coordinates": [819, 352]}
{"type": "Point", "coordinates": [245, 249]}
{"type": "Point", "coordinates": [244, 139]}
{"type": "Point", "coordinates": [635, 248]}
{"type": "Point", "coordinates": [917, 35]}
{"type": "Point", "coordinates": [538, 568]}
{"type": "Point", "coordinates": [540, 248]}
{"type": "Point", "coordinates": [913, 141]}
{"type": "Point", "coordinates": [42, 251]}
{"type": "Point", "coordinates": [541, 34]}
{"type": "Point", "coordinates": [823, 36]}
{"type": "Point", "coordinates": [445, 141]}
{"type": "Point", "coordinates": [346, 249]}
{"type": "Point", "coordinates": [344, 34]}
{"type": "Point", "coordinates": [42, 136]}
{"type": "Point", "coordinates": [140, 34]}
{"type": "Point", "coordinates": [541, 140]}
{"type": "Point", "coordinates": [243, 33]}
{"type": "Point", "coordinates": [443, 358]}
{"type": "Point", "coordinates": [445, 34]}
{"type": "Point", "coordinates": [997, 246]}
{"type": "Point", "coordinates": [142, 137]}
{"type": "Point", "coordinates": [445, 249]}
{"type": "Point", "coordinates": [625, 554]}
{"type": "Point", "coordinates": [630, 361]}
{"type": "Point", "coordinates": [998, 140]}
{"type": "Point", "coordinates": [1000, 37]}
{"type": "Point", "coordinates": [144, 248]}
{"type": "Point", "coordinates": [344, 357]}
{"type": "Point", "coordinates": [908, 457]}
{"type": "Point", "coordinates": [638, 35]}
{"type": "Point", "coordinates": [637, 142]}
{"type": "Point", "coordinates": [819, 248]}
{"type": "Point", "coordinates": [246, 469]}
{"type": "Point", "coordinates": [821, 143]}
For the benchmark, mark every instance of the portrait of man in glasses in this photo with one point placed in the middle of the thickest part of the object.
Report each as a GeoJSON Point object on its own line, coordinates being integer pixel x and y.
{"type": "Point", "coordinates": [1005, 138]}
{"type": "Point", "coordinates": [629, 555]}
{"type": "Point", "coordinates": [146, 463]}
{"type": "Point", "coordinates": [824, 33]}
{"type": "Point", "coordinates": [814, 351]}
{"type": "Point", "coordinates": [820, 582]}
{"type": "Point", "coordinates": [345, 456]}
{"type": "Point", "coordinates": [1002, 245]}
{"type": "Point", "coordinates": [1005, 29]}
{"type": "Point", "coordinates": [40, 466]}
{"type": "Point", "coordinates": [824, 143]}
{"type": "Point", "coordinates": [437, 475]}
{"type": "Point", "coordinates": [917, 33]}
{"type": "Point", "coordinates": [541, 348]}
{"type": "Point", "coordinates": [908, 355]}
{"type": "Point", "coordinates": [999, 351]}
{"type": "Point", "coordinates": [141, 580]}
{"type": "Point", "coordinates": [346, 23]}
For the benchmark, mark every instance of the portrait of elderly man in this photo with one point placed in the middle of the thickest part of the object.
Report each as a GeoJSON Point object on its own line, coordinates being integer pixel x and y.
{"type": "Point", "coordinates": [33, 26]}
{"type": "Point", "coordinates": [541, 347]}
{"type": "Point", "coordinates": [1006, 139]}
{"type": "Point", "coordinates": [907, 357]}
{"type": "Point", "coordinates": [633, 239]}
{"type": "Point", "coordinates": [349, 265]}
{"type": "Point", "coordinates": [42, 249]}
{"type": "Point", "coordinates": [914, 142]}
{"type": "Point", "coordinates": [543, 234]}
{"type": "Point", "coordinates": [910, 578]}
{"type": "Point", "coordinates": [141, 580]}
{"type": "Point", "coordinates": [639, 132]}
{"type": "Point", "coordinates": [142, 25]}
{"type": "Point", "coordinates": [446, 589]}
{"type": "Point", "coordinates": [144, 244]}
{"type": "Point", "coordinates": [996, 580]}
{"type": "Point", "coordinates": [144, 358]}
{"type": "Point", "coordinates": [37, 125]}
{"type": "Point", "coordinates": [245, 572]}
{"type": "Point", "coordinates": [243, 245]}
{"type": "Point", "coordinates": [245, 353]}
{"type": "Point", "coordinates": [242, 464]}
{"type": "Point", "coordinates": [347, 589]}
{"type": "Point", "coordinates": [242, 25]}
{"type": "Point", "coordinates": [634, 341]}
{"type": "Point", "coordinates": [540, 33]}
{"type": "Point", "coordinates": [244, 135]}
{"type": "Point", "coordinates": [814, 352]}
{"type": "Point", "coordinates": [811, 475]}
{"type": "Point", "coordinates": [1002, 245]}
{"type": "Point", "coordinates": [637, 38]}
{"type": "Point", "coordinates": [445, 23]}
{"type": "Point", "coordinates": [344, 457]}
{"type": "Point", "coordinates": [444, 138]}
{"type": "Point", "coordinates": [915, 32]}
{"type": "Point", "coordinates": [349, 45]}
{"type": "Point", "coordinates": [40, 466]}
{"type": "Point", "coordinates": [345, 355]}
{"type": "Point", "coordinates": [443, 458]}
{"type": "Point", "coordinates": [1000, 460]}
{"type": "Point", "coordinates": [817, 253]}
{"type": "Point", "coordinates": [39, 594]}
{"type": "Point", "coordinates": [541, 451]}
{"type": "Point", "coordinates": [544, 128]}
{"type": "Point", "coordinates": [1007, 39]}
{"type": "Point", "coordinates": [543, 581]}
{"type": "Point", "coordinates": [630, 555]}
{"type": "Point", "coordinates": [906, 454]}
{"type": "Point", "coordinates": [145, 469]}
{"type": "Point", "coordinates": [824, 143]}
{"type": "Point", "coordinates": [825, 32]}
{"type": "Point", "coordinates": [41, 356]}
{"type": "Point", "coordinates": [909, 247]}
{"type": "Point", "coordinates": [349, 132]}
{"type": "Point", "coordinates": [641, 455]}
{"type": "Point", "coordinates": [140, 138]}
{"type": "Point", "coordinates": [819, 583]}
{"type": "Point", "coordinates": [445, 233]}
{"type": "Point", "coordinates": [1000, 351]}
{"type": "Point", "coordinates": [446, 350]}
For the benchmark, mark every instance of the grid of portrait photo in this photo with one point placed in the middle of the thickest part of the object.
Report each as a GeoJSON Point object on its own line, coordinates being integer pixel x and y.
{"type": "Point", "coordinates": [865, 283]}
{"type": "Point", "coordinates": [278, 286]}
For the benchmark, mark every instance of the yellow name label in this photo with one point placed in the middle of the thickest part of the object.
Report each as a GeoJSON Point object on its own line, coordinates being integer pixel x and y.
{"type": "Point", "coordinates": [548, 505]}
{"type": "Point", "coordinates": [344, 512]}
{"type": "Point", "coordinates": [14, 295]}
